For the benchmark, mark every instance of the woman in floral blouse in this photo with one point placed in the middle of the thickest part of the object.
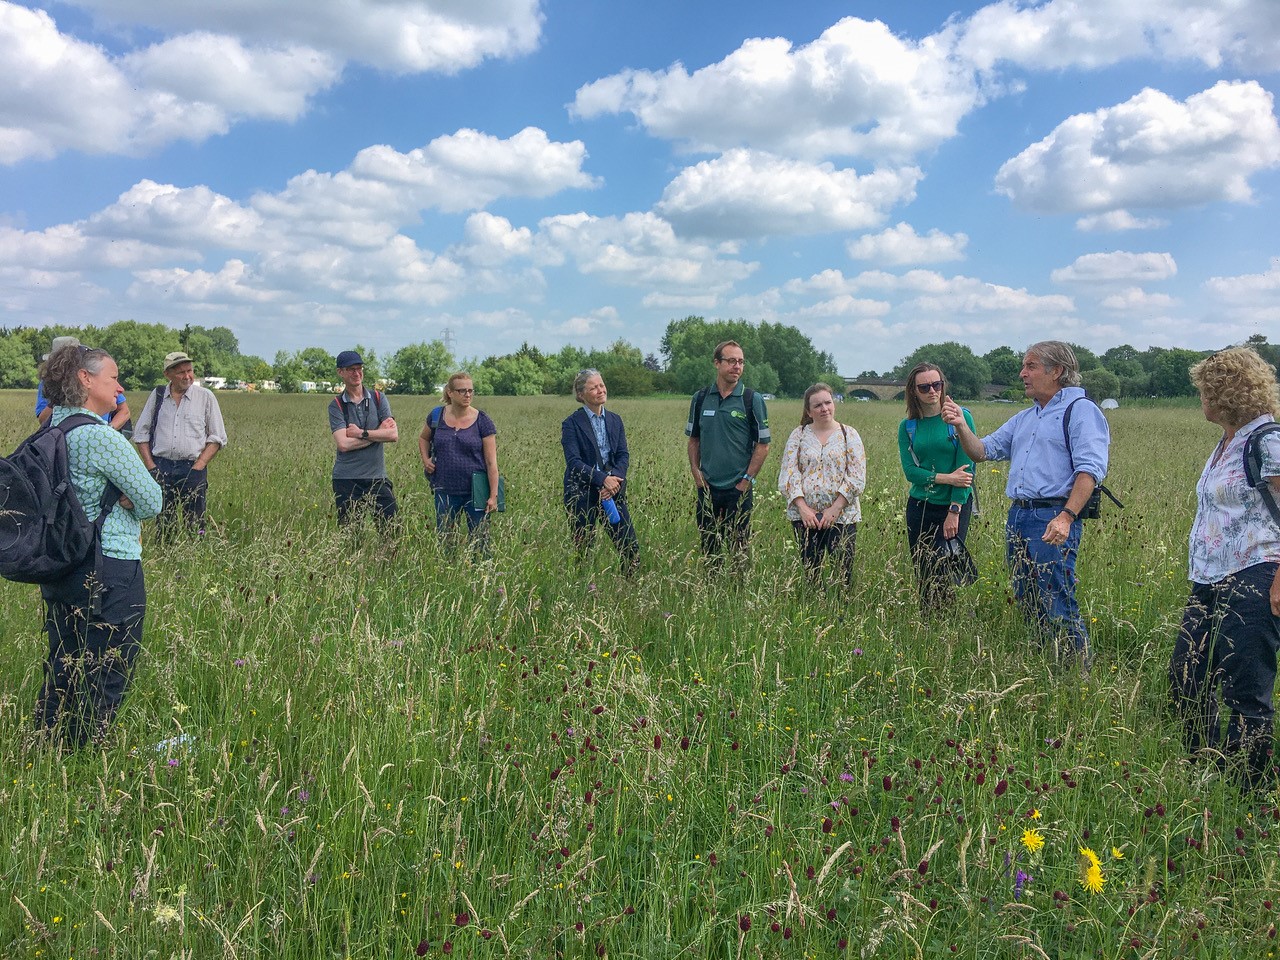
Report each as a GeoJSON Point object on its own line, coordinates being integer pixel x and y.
{"type": "Point", "coordinates": [824, 471]}
{"type": "Point", "coordinates": [1231, 626]}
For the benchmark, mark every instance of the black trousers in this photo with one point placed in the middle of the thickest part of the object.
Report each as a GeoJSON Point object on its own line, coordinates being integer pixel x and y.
{"type": "Point", "coordinates": [585, 514]}
{"type": "Point", "coordinates": [1229, 639]}
{"type": "Point", "coordinates": [724, 520]}
{"type": "Point", "coordinates": [817, 545]}
{"type": "Point", "coordinates": [925, 540]}
{"type": "Point", "coordinates": [91, 657]}
{"type": "Point", "coordinates": [355, 497]}
{"type": "Point", "coordinates": [185, 492]}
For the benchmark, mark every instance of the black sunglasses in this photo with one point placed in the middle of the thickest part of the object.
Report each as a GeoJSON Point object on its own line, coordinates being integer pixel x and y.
{"type": "Point", "coordinates": [929, 387]}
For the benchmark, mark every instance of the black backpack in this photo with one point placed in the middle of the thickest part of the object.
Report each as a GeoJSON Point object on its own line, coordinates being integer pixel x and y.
{"type": "Point", "coordinates": [45, 535]}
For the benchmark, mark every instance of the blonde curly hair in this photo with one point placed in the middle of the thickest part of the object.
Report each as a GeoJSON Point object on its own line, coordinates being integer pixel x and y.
{"type": "Point", "coordinates": [1237, 384]}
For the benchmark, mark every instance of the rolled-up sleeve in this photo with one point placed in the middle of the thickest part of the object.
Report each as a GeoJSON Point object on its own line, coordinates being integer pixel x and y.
{"type": "Point", "coordinates": [215, 431]}
{"type": "Point", "coordinates": [1090, 440]}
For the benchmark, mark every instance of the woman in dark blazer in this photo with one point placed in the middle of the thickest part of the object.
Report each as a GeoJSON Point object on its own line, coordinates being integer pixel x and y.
{"type": "Point", "coordinates": [595, 471]}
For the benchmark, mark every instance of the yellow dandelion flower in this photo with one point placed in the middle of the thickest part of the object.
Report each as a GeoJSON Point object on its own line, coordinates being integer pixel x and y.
{"type": "Point", "coordinates": [1035, 813]}
{"type": "Point", "coordinates": [1093, 880]}
{"type": "Point", "coordinates": [1089, 858]}
{"type": "Point", "coordinates": [1117, 853]}
{"type": "Point", "coordinates": [1033, 840]}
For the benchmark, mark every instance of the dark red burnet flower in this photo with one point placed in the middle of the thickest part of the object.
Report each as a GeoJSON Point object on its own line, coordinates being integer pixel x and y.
{"type": "Point", "coordinates": [744, 923]}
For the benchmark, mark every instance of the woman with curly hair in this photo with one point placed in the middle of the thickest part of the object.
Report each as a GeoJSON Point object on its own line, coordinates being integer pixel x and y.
{"type": "Point", "coordinates": [1231, 625]}
{"type": "Point", "coordinates": [94, 618]}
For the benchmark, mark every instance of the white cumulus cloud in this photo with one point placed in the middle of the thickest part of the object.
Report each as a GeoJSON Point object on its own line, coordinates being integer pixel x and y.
{"type": "Point", "coordinates": [1097, 33]}
{"type": "Point", "coordinates": [1117, 221]}
{"type": "Point", "coordinates": [642, 249]}
{"type": "Point", "coordinates": [1137, 300]}
{"type": "Point", "coordinates": [1119, 266]}
{"type": "Point", "coordinates": [1151, 151]}
{"type": "Point", "coordinates": [469, 169]}
{"type": "Point", "coordinates": [406, 36]}
{"type": "Point", "coordinates": [1253, 296]}
{"type": "Point", "coordinates": [748, 194]}
{"type": "Point", "coordinates": [901, 244]}
{"type": "Point", "coordinates": [858, 89]}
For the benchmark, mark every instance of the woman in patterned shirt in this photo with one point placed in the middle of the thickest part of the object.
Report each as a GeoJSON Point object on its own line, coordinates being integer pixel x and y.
{"type": "Point", "coordinates": [1231, 625]}
{"type": "Point", "coordinates": [824, 471]}
{"type": "Point", "coordinates": [95, 631]}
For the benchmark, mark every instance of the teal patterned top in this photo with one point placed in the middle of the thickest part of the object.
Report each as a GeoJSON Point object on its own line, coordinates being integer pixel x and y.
{"type": "Point", "coordinates": [97, 454]}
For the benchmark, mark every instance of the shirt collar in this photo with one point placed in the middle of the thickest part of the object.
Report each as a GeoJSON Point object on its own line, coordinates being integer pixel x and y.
{"type": "Point", "coordinates": [597, 416]}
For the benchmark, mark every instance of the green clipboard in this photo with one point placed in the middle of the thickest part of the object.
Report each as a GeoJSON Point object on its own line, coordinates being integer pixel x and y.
{"type": "Point", "coordinates": [480, 491]}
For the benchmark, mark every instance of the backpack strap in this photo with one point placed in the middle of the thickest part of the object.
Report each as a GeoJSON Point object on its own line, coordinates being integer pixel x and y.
{"type": "Point", "coordinates": [111, 494]}
{"type": "Point", "coordinates": [1066, 436]}
{"type": "Point", "coordinates": [753, 428]}
{"type": "Point", "coordinates": [433, 421]}
{"type": "Point", "coordinates": [1253, 468]}
{"type": "Point", "coordinates": [155, 414]}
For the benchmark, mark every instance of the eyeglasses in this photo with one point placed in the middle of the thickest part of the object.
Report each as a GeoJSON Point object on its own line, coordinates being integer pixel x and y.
{"type": "Point", "coordinates": [930, 387]}
{"type": "Point", "coordinates": [734, 361]}
{"type": "Point", "coordinates": [468, 391]}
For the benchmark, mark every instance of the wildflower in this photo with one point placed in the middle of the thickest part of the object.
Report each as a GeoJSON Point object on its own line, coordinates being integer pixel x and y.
{"type": "Point", "coordinates": [1033, 840]}
{"type": "Point", "coordinates": [1020, 881]}
{"type": "Point", "coordinates": [847, 777]}
{"type": "Point", "coordinates": [1091, 877]}
{"type": "Point", "coordinates": [1117, 853]}
{"type": "Point", "coordinates": [1034, 814]}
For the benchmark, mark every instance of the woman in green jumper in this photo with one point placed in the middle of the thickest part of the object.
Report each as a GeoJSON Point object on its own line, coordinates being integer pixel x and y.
{"type": "Point", "coordinates": [941, 478]}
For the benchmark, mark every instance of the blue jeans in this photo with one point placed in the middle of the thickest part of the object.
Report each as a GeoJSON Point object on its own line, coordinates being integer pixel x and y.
{"type": "Point", "coordinates": [1044, 577]}
{"type": "Point", "coordinates": [451, 508]}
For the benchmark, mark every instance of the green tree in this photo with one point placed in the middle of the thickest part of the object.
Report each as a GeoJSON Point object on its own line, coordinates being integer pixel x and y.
{"type": "Point", "coordinates": [318, 363]}
{"type": "Point", "coordinates": [1086, 359]}
{"type": "Point", "coordinates": [1005, 365]}
{"type": "Point", "coordinates": [138, 349]}
{"type": "Point", "coordinates": [17, 367]}
{"type": "Point", "coordinates": [288, 371]}
{"type": "Point", "coordinates": [966, 373]}
{"type": "Point", "coordinates": [1100, 383]}
{"type": "Point", "coordinates": [420, 367]}
{"type": "Point", "coordinates": [517, 374]}
{"type": "Point", "coordinates": [1170, 378]}
{"type": "Point", "coordinates": [628, 380]}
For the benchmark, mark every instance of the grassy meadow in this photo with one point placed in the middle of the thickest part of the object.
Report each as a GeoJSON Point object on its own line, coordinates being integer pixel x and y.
{"type": "Point", "coordinates": [338, 747]}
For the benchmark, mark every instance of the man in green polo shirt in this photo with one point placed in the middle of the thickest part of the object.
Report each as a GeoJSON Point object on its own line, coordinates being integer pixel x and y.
{"type": "Point", "coordinates": [728, 433]}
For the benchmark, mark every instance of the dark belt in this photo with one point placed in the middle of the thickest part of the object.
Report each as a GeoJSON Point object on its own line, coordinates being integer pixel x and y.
{"type": "Point", "coordinates": [1058, 502]}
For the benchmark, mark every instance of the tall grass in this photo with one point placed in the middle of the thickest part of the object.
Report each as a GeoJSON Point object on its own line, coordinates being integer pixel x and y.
{"type": "Point", "coordinates": [337, 746]}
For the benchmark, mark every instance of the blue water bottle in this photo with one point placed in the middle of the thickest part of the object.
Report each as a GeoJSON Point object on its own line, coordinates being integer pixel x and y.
{"type": "Point", "coordinates": [611, 510]}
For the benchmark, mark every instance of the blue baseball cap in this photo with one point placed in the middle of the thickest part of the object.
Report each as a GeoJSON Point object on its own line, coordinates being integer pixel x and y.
{"type": "Point", "coordinates": [349, 358]}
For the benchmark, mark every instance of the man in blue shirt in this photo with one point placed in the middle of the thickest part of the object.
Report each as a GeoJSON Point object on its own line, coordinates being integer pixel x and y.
{"type": "Point", "coordinates": [1049, 483]}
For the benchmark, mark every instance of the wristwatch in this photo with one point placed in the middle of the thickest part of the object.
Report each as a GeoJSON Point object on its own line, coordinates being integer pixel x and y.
{"type": "Point", "coordinates": [364, 434]}
{"type": "Point", "coordinates": [953, 508]}
{"type": "Point", "coordinates": [749, 478]}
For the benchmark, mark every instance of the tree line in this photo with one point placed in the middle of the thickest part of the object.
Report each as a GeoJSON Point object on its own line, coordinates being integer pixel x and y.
{"type": "Point", "coordinates": [1122, 371]}
{"type": "Point", "coordinates": [780, 360]}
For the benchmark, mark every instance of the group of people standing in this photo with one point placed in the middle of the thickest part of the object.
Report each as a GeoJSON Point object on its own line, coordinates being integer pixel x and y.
{"type": "Point", "coordinates": [1057, 449]}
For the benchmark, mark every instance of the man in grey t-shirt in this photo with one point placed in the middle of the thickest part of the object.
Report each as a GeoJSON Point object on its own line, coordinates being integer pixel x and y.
{"type": "Point", "coordinates": [361, 423]}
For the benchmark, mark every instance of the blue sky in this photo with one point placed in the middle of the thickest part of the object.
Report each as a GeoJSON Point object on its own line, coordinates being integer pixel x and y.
{"type": "Point", "coordinates": [880, 175]}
